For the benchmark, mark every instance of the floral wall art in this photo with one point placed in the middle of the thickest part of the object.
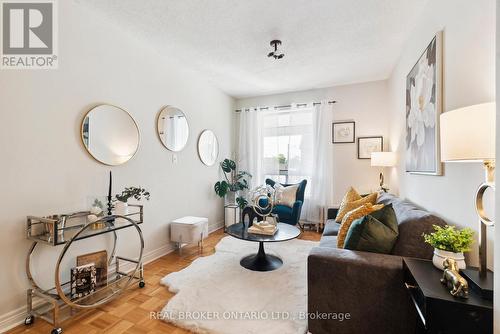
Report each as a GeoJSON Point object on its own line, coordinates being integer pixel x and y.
{"type": "Point", "coordinates": [423, 106]}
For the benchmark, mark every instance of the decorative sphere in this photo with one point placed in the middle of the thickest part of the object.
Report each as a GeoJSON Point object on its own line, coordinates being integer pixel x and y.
{"type": "Point", "coordinates": [262, 199]}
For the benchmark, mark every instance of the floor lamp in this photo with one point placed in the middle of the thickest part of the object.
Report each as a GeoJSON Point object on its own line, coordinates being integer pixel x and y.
{"type": "Point", "coordinates": [468, 135]}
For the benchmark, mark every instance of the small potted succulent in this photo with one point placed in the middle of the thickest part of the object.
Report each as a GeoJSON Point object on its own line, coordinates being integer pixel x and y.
{"type": "Point", "coordinates": [130, 192]}
{"type": "Point", "coordinates": [448, 242]}
{"type": "Point", "coordinates": [96, 213]}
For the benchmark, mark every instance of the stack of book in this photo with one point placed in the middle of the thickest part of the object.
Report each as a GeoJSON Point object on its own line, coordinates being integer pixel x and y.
{"type": "Point", "coordinates": [263, 227]}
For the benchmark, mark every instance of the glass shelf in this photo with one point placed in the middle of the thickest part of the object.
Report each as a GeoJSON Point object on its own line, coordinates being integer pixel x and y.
{"type": "Point", "coordinates": [49, 230]}
{"type": "Point", "coordinates": [113, 284]}
{"type": "Point", "coordinates": [116, 283]}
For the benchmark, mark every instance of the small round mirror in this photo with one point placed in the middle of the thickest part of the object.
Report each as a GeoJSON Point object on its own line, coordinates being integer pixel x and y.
{"type": "Point", "coordinates": [110, 134]}
{"type": "Point", "coordinates": [208, 147]}
{"type": "Point", "coordinates": [173, 128]}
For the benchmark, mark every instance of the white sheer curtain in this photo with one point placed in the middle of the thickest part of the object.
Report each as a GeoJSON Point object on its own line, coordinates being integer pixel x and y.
{"type": "Point", "coordinates": [289, 145]}
{"type": "Point", "coordinates": [322, 178]}
{"type": "Point", "coordinates": [250, 145]}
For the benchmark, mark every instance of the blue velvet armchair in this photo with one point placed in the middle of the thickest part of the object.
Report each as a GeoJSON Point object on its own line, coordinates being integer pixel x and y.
{"type": "Point", "coordinates": [286, 214]}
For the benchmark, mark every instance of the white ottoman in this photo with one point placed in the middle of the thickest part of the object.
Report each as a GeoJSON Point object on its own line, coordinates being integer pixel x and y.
{"type": "Point", "coordinates": [188, 230]}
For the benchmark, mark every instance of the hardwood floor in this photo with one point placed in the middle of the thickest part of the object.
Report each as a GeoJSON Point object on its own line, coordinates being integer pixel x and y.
{"type": "Point", "coordinates": [130, 313]}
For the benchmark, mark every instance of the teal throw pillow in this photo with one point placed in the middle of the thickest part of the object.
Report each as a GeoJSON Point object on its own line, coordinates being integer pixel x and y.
{"type": "Point", "coordinates": [376, 232]}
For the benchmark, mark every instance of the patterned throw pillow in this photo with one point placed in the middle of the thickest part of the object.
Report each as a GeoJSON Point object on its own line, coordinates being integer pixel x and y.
{"type": "Point", "coordinates": [347, 206]}
{"type": "Point", "coordinates": [350, 196]}
{"type": "Point", "coordinates": [286, 195]}
{"type": "Point", "coordinates": [359, 212]}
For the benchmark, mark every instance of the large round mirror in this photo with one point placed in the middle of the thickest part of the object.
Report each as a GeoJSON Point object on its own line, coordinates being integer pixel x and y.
{"type": "Point", "coordinates": [110, 134]}
{"type": "Point", "coordinates": [173, 128]}
{"type": "Point", "coordinates": [208, 147]}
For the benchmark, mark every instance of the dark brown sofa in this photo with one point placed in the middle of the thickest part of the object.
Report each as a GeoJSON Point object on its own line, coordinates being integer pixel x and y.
{"type": "Point", "coordinates": [367, 286]}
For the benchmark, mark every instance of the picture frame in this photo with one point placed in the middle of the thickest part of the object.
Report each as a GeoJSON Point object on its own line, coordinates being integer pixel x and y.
{"type": "Point", "coordinates": [83, 281]}
{"type": "Point", "coordinates": [344, 132]}
{"type": "Point", "coordinates": [367, 145]}
{"type": "Point", "coordinates": [423, 108]}
{"type": "Point", "coordinates": [100, 261]}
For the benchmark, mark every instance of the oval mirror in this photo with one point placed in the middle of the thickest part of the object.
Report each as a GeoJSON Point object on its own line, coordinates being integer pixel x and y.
{"type": "Point", "coordinates": [173, 128]}
{"type": "Point", "coordinates": [208, 147]}
{"type": "Point", "coordinates": [110, 134]}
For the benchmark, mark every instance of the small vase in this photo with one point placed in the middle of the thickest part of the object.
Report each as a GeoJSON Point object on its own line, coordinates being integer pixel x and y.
{"type": "Point", "coordinates": [440, 255]}
{"type": "Point", "coordinates": [121, 208]}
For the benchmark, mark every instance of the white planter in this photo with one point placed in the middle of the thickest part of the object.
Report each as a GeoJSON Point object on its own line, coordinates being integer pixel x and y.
{"type": "Point", "coordinates": [440, 255]}
{"type": "Point", "coordinates": [231, 197]}
{"type": "Point", "coordinates": [121, 208]}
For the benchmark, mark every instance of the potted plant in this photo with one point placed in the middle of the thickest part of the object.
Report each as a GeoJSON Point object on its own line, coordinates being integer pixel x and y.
{"type": "Point", "coordinates": [282, 162]}
{"type": "Point", "coordinates": [121, 199]}
{"type": "Point", "coordinates": [448, 242]}
{"type": "Point", "coordinates": [233, 182]}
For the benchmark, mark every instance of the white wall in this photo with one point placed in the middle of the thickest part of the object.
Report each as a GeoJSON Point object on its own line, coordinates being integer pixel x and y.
{"type": "Point", "coordinates": [364, 103]}
{"type": "Point", "coordinates": [46, 170]}
{"type": "Point", "coordinates": [469, 78]}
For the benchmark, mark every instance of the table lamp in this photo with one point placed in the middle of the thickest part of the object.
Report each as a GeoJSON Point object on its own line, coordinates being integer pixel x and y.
{"type": "Point", "coordinates": [383, 159]}
{"type": "Point", "coordinates": [468, 135]}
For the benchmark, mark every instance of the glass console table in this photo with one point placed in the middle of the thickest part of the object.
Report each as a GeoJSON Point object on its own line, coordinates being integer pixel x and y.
{"type": "Point", "coordinates": [61, 230]}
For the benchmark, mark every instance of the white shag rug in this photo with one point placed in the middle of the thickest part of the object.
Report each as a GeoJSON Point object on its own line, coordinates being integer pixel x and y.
{"type": "Point", "coordinates": [216, 295]}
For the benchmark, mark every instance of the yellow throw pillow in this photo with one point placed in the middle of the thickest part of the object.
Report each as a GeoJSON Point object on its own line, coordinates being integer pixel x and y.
{"type": "Point", "coordinates": [346, 207]}
{"type": "Point", "coordinates": [351, 195]}
{"type": "Point", "coordinates": [351, 216]}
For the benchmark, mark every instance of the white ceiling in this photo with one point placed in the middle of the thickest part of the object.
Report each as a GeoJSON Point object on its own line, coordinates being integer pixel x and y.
{"type": "Point", "coordinates": [326, 42]}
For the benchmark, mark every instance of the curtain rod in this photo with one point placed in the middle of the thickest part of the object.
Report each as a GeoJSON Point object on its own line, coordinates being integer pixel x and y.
{"type": "Point", "coordinates": [286, 106]}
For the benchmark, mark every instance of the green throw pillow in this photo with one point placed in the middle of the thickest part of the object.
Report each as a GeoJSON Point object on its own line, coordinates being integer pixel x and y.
{"type": "Point", "coordinates": [387, 216]}
{"type": "Point", "coordinates": [376, 232]}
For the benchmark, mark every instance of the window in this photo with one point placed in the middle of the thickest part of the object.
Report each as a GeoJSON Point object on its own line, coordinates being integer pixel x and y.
{"type": "Point", "coordinates": [288, 145]}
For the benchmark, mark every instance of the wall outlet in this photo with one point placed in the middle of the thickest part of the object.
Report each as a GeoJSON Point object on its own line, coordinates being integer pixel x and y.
{"type": "Point", "coordinates": [174, 158]}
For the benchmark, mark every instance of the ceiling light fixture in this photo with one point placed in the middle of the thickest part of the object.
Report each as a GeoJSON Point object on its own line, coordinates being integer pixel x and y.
{"type": "Point", "coordinates": [276, 54]}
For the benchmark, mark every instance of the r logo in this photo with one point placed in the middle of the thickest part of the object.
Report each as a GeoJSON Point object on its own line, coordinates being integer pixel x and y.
{"type": "Point", "coordinates": [27, 28]}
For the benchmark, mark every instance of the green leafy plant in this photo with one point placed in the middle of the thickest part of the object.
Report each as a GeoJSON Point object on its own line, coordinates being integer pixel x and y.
{"type": "Point", "coordinates": [98, 204]}
{"type": "Point", "coordinates": [234, 181]}
{"type": "Point", "coordinates": [241, 202]}
{"type": "Point", "coordinates": [136, 193]}
{"type": "Point", "coordinates": [450, 239]}
{"type": "Point", "coordinates": [281, 158]}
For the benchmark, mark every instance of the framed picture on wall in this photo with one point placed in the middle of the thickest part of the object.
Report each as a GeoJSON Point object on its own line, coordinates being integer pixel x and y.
{"type": "Point", "coordinates": [367, 145]}
{"type": "Point", "coordinates": [423, 107]}
{"type": "Point", "coordinates": [343, 132]}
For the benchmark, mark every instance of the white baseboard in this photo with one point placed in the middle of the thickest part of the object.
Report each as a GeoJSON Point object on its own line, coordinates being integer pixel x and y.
{"type": "Point", "coordinates": [16, 317]}
{"type": "Point", "coordinates": [214, 227]}
{"type": "Point", "coordinates": [12, 319]}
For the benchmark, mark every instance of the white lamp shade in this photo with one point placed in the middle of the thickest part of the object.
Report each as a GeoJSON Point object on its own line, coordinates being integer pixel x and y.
{"type": "Point", "coordinates": [383, 159]}
{"type": "Point", "coordinates": [468, 134]}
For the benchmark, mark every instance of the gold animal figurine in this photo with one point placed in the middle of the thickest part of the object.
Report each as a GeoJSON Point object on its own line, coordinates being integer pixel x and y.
{"type": "Point", "coordinates": [457, 285]}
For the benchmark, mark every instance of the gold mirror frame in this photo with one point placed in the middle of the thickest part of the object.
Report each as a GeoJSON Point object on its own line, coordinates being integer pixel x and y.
{"type": "Point", "coordinates": [159, 131]}
{"type": "Point", "coordinates": [200, 155]}
{"type": "Point", "coordinates": [90, 152]}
